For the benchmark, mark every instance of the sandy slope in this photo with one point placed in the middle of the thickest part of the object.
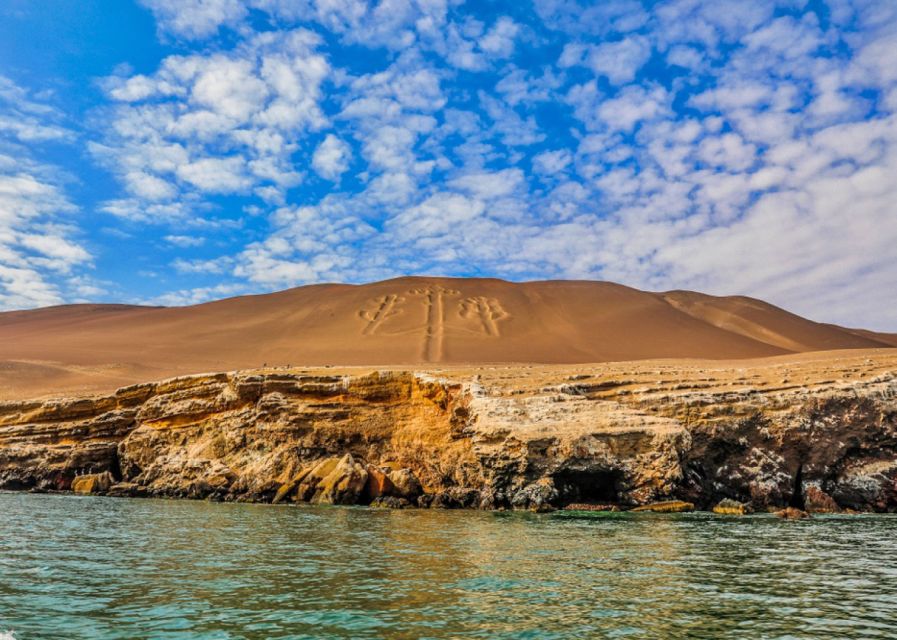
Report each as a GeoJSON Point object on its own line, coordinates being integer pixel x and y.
{"type": "Point", "coordinates": [888, 338]}
{"type": "Point", "coordinates": [407, 321]}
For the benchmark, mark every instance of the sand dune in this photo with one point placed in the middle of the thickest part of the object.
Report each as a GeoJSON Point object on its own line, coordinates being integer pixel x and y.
{"type": "Point", "coordinates": [887, 338]}
{"type": "Point", "coordinates": [406, 321]}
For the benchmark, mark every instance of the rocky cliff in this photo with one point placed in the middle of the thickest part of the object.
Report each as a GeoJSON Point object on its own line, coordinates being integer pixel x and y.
{"type": "Point", "coordinates": [817, 432]}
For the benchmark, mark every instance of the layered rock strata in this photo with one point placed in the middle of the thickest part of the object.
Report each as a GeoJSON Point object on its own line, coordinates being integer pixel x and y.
{"type": "Point", "coordinates": [815, 435]}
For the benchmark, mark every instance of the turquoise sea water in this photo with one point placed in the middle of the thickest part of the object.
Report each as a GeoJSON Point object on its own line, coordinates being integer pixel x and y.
{"type": "Point", "coordinates": [84, 567]}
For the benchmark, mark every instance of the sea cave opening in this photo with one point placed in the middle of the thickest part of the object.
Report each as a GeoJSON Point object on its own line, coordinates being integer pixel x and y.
{"type": "Point", "coordinates": [797, 490]}
{"type": "Point", "coordinates": [589, 487]}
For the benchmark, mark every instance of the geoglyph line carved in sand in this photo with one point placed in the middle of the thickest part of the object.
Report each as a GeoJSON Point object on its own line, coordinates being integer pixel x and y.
{"type": "Point", "coordinates": [434, 334]}
{"type": "Point", "coordinates": [488, 310]}
{"type": "Point", "coordinates": [385, 307]}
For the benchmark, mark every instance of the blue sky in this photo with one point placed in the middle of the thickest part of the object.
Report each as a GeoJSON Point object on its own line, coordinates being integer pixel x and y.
{"type": "Point", "coordinates": [176, 151]}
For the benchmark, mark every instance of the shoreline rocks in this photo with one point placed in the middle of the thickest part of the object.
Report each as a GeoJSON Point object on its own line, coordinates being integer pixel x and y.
{"type": "Point", "coordinates": [792, 513]}
{"type": "Point", "coordinates": [729, 507]}
{"type": "Point", "coordinates": [126, 490]}
{"type": "Point", "coordinates": [666, 506]}
{"type": "Point", "coordinates": [818, 501]}
{"type": "Point", "coordinates": [591, 507]}
{"type": "Point", "coordinates": [93, 483]}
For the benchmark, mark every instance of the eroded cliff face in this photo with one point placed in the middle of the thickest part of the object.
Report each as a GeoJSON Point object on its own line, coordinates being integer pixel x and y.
{"type": "Point", "coordinates": [816, 433]}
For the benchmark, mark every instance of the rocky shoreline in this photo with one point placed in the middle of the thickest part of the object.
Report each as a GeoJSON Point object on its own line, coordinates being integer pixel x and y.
{"type": "Point", "coordinates": [814, 434]}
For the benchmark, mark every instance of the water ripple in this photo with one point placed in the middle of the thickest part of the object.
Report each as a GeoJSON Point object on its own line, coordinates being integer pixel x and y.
{"type": "Point", "coordinates": [73, 567]}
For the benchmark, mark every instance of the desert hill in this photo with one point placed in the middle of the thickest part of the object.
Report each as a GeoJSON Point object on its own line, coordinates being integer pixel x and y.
{"type": "Point", "coordinates": [405, 321]}
{"type": "Point", "coordinates": [888, 338]}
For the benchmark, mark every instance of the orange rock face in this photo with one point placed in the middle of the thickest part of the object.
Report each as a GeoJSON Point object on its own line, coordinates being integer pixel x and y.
{"type": "Point", "coordinates": [818, 431]}
{"type": "Point", "coordinates": [378, 484]}
{"type": "Point", "coordinates": [93, 483]}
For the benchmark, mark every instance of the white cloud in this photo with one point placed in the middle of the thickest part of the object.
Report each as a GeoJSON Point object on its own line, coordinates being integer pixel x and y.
{"type": "Point", "coordinates": [632, 105]}
{"type": "Point", "coordinates": [499, 40]}
{"type": "Point", "coordinates": [517, 86]}
{"type": "Point", "coordinates": [218, 123]}
{"type": "Point", "coordinates": [742, 95]}
{"type": "Point", "coordinates": [551, 162]}
{"type": "Point", "coordinates": [618, 61]}
{"type": "Point", "coordinates": [515, 130]}
{"type": "Point", "coordinates": [437, 216]}
{"type": "Point", "coordinates": [34, 251]}
{"type": "Point", "coordinates": [184, 241]}
{"type": "Point", "coordinates": [685, 56]}
{"type": "Point", "coordinates": [195, 18]}
{"type": "Point", "coordinates": [22, 287]}
{"type": "Point", "coordinates": [229, 87]}
{"type": "Point", "coordinates": [331, 158]}
{"type": "Point", "coordinates": [39, 257]}
{"type": "Point", "coordinates": [137, 211]}
{"type": "Point", "coordinates": [390, 148]}
{"type": "Point", "coordinates": [216, 175]}
{"type": "Point", "coordinates": [389, 24]}
{"type": "Point", "coordinates": [25, 120]}
{"type": "Point", "coordinates": [219, 265]}
{"type": "Point", "coordinates": [62, 252]}
{"type": "Point", "coordinates": [727, 151]}
{"type": "Point", "coordinates": [488, 186]}
{"type": "Point", "coordinates": [149, 187]}
{"type": "Point", "coordinates": [197, 295]}
{"type": "Point", "coordinates": [575, 16]}
{"type": "Point", "coordinates": [708, 24]}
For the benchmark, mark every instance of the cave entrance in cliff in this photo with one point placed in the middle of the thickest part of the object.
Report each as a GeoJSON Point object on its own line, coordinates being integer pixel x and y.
{"type": "Point", "coordinates": [589, 487]}
{"type": "Point", "coordinates": [797, 490]}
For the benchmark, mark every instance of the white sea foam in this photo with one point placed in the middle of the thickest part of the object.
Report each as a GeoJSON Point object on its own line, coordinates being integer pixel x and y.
{"type": "Point", "coordinates": [7, 635]}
